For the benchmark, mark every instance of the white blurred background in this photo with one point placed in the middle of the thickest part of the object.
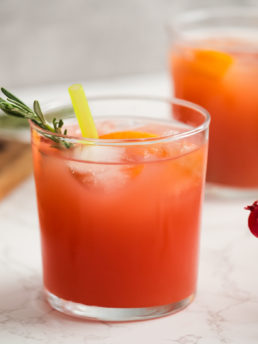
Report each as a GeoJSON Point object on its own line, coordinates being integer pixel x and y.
{"type": "Point", "coordinates": [55, 41]}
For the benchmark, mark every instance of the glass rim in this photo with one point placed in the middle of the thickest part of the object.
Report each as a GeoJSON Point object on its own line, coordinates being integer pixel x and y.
{"type": "Point", "coordinates": [199, 14]}
{"type": "Point", "coordinates": [139, 141]}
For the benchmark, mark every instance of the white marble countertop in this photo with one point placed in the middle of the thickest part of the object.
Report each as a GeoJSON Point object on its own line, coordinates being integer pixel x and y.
{"type": "Point", "coordinates": [226, 306]}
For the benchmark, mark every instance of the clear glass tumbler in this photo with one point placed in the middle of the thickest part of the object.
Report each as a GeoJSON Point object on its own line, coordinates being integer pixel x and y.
{"type": "Point", "coordinates": [213, 57]}
{"type": "Point", "coordinates": [120, 215]}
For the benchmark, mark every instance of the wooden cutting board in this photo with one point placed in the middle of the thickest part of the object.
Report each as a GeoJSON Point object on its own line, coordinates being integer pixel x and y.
{"type": "Point", "coordinates": [15, 164]}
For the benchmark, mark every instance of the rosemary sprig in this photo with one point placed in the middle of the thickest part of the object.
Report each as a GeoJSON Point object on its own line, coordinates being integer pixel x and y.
{"type": "Point", "coordinates": [13, 106]}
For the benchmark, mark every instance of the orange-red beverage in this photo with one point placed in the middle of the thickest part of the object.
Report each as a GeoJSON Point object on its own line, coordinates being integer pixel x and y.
{"type": "Point", "coordinates": [120, 216]}
{"type": "Point", "coordinates": [214, 63]}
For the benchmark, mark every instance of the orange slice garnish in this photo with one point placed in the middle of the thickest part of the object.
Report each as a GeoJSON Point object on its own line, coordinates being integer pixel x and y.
{"type": "Point", "coordinates": [212, 62]}
{"type": "Point", "coordinates": [157, 150]}
{"type": "Point", "coordinates": [133, 152]}
{"type": "Point", "coordinates": [125, 135]}
{"type": "Point", "coordinates": [132, 160]}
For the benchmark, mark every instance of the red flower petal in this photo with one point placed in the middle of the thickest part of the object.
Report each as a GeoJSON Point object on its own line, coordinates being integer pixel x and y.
{"type": "Point", "coordinates": [253, 218]}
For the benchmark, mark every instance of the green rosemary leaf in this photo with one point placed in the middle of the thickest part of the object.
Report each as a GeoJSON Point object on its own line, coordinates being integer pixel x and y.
{"type": "Point", "coordinates": [20, 105]}
{"type": "Point", "coordinates": [60, 123]}
{"type": "Point", "coordinates": [10, 110]}
{"type": "Point", "coordinates": [15, 110]}
{"type": "Point", "coordinates": [38, 111]}
{"type": "Point", "coordinates": [67, 144]}
{"type": "Point", "coordinates": [54, 123]}
{"type": "Point", "coordinates": [13, 106]}
{"type": "Point", "coordinates": [13, 97]}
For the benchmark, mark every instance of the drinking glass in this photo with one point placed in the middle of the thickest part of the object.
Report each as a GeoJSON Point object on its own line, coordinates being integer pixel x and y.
{"type": "Point", "coordinates": [120, 218]}
{"type": "Point", "coordinates": [213, 57]}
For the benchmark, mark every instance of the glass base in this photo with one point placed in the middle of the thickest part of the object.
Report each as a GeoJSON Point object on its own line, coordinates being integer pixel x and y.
{"type": "Point", "coordinates": [114, 314]}
{"type": "Point", "coordinates": [220, 190]}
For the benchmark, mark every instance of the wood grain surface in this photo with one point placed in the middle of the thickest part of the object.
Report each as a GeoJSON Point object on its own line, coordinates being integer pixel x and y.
{"type": "Point", "coordinates": [15, 164]}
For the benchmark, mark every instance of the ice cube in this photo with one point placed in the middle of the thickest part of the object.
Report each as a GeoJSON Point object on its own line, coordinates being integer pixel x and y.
{"type": "Point", "coordinates": [99, 167]}
{"type": "Point", "coordinates": [98, 154]}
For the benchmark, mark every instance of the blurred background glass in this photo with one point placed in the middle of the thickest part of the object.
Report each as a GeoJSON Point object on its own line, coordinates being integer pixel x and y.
{"type": "Point", "coordinates": [55, 41]}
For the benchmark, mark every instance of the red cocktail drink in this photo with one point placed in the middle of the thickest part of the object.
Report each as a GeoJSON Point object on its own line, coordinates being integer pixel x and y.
{"type": "Point", "coordinates": [120, 216]}
{"type": "Point", "coordinates": [214, 63]}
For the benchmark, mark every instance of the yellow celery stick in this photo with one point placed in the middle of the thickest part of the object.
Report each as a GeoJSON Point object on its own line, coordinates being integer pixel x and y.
{"type": "Point", "coordinates": [82, 111]}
